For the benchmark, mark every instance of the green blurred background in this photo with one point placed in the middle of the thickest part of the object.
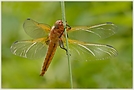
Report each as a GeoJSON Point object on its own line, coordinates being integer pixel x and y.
{"type": "Point", "coordinates": [19, 72]}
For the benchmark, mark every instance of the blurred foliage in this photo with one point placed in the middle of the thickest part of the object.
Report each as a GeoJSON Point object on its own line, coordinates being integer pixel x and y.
{"type": "Point", "coordinates": [19, 72]}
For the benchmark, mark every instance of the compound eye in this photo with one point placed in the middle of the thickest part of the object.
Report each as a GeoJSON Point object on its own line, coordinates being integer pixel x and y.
{"type": "Point", "coordinates": [60, 22]}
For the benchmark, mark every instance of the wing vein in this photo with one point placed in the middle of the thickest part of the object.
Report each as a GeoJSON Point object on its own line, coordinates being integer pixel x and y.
{"type": "Point", "coordinates": [87, 49]}
{"type": "Point", "coordinates": [29, 48]}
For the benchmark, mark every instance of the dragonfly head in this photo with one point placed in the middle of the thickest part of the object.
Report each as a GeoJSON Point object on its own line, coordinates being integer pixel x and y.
{"type": "Point", "coordinates": [59, 24]}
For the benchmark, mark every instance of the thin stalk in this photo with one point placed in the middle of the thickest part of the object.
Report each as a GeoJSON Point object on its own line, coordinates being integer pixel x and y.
{"type": "Point", "coordinates": [68, 54]}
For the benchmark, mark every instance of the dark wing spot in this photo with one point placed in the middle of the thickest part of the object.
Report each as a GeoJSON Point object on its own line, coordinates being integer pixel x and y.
{"type": "Point", "coordinates": [109, 23]}
{"type": "Point", "coordinates": [15, 42]}
{"type": "Point", "coordinates": [28, 19]}
{"type": "Point", "coordinates": [109, 46]}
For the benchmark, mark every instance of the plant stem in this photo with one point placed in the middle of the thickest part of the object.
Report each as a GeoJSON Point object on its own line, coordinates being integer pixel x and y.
{"type": "Point", "coordinates": [68, 54]}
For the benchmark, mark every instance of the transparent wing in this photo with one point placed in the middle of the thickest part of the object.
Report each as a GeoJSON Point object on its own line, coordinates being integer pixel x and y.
{"type": "Point", "coordinates": [32, 49]}
{"type": "Point", "coordinates": [92, 33]}
{"type": "Point", "coordinates": [35, 29]}
{"type": "Point", "coordinates": [98, 51]}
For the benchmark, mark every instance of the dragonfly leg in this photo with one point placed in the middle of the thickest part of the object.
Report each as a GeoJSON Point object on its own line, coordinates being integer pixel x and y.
{"type": "Point", "coordinates": [68, 27]}
{"type": "Point", "coordinates": [47, 41]}
{"type": "Point", "coordinates": [62, 46]}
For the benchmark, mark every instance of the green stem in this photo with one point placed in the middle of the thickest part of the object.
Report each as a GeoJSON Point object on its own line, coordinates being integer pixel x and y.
{"type": "Point", "coordinates": [68, 55]}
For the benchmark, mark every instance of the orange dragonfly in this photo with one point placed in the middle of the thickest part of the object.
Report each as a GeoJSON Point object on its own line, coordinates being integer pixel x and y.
{"type": "Point", "coordinates": [47, 39]}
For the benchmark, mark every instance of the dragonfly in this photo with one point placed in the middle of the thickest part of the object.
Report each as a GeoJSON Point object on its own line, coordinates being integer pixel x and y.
{"type": "Point", "coordinates": [46, 39]}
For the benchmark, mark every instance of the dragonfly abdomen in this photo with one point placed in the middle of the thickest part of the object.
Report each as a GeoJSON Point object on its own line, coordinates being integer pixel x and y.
{"type": "Point", "coordinates": [50, 53]}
